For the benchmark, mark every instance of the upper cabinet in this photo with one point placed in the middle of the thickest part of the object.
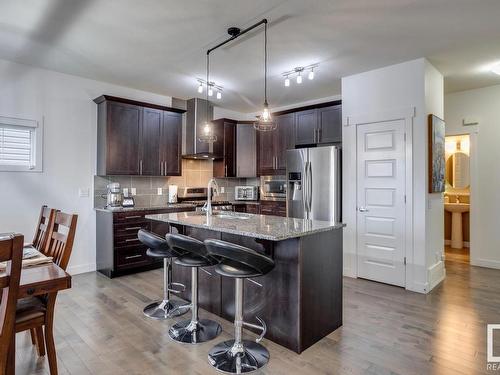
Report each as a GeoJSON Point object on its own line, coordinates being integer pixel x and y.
{"type": "Point", "coordinates": [225, 148]}
{"type": "Point", "coordinates": [319, 126]}
{"type": "Point", "coordinates": [272, 146]}
{"type": "Point", "coordinates": [246, 147]}
{"type": "Point", "coordinates": [136, 138]}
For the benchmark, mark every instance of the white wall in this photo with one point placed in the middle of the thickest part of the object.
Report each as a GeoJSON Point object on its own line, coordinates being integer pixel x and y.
{"type": "Point", "coordinates": [65, 104]}
{"type": "Point", "coordinates": [483, 105]}
{"type": "Point", "coordinates": [414, 84]}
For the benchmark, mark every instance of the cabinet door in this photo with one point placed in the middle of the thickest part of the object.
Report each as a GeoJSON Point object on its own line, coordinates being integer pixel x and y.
{"type": "Point", "coordinates": [285, 139]}
{"type": "Point", "coordinates": [246, 163]}
{"type": "Point", "coordinates": [266, 153]}
{"type": "Point", "coordinates": [330, 124]}
{"type": "Point", "coordinates": [123, 138]}
{"type": "Point", "coordinates": [230, 149]}
{"type": "Point", "coordinates": [171, 144]}
{"type": "Point", "coordinates": [306, 126]}
{"type": "Point", "coordinates": [150, 142]}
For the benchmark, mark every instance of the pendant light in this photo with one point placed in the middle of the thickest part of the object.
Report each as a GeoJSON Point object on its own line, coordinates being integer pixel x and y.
{"type": "Point", "coordinates": [207, 135]}
{"type": "Point", "coordinates": [265, 122]}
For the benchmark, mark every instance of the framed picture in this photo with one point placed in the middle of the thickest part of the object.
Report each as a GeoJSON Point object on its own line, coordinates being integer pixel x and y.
{"type": "Point", "coordinates": [436, 155]}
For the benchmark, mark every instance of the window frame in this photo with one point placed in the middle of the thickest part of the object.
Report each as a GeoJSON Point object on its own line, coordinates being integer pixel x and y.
{"type": "Point", "coordinates": [37, 144]}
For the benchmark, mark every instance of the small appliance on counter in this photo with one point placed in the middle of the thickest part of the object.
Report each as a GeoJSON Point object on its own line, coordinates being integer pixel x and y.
{"type": "Point", "coordinates": [172, 193]}
{"type": "Point", "coordinates": [273, 188]}
{"type": "Point", "coordinates": [128, 201]}
{"type": "Point", "coordinates": [114, 197]}
{"type": "Point", "coordinates": [246, 193]}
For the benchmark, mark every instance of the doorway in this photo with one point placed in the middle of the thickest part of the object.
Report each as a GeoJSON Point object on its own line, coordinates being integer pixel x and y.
{"type": "Point", "coordinates": [457, 202]}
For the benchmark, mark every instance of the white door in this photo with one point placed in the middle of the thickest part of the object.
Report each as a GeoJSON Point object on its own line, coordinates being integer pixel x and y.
{"type": "Point", "coordinates": [381, 201]}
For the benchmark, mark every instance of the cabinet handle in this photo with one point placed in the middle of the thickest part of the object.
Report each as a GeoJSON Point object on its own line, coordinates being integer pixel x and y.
{"type": "Point", "coordinates": [131, 239]}
{"type": "Point", "coordinates": [225, 170]}
{"type": "Point", "coordinates": [320, 134]}
{"type": "Point", "coordinates": [161, 168]}
{"type": "Point", "coordinates": [133, 217]}
{"type": "Point", "coordinates": [133, 228]}
{"type": "Point", "coordinates": [133, 256]}
{"type": "Point", "coordinates": [140, 167]}
{"type": "Point", "coordinates": [165, 168]}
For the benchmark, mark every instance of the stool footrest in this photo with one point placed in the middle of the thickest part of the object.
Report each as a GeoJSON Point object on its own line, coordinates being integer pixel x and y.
{"type": "Point", "coordinates": [262, 327]}
{"type": "Point", "coordinates": [171, 288]}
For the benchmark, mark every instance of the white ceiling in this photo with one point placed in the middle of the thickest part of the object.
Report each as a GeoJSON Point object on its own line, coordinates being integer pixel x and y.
{"type": "Point", "coordinates": [159, 45]}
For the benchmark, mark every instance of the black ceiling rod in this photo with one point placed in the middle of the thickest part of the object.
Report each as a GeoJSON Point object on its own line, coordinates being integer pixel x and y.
{"type": "Point", "coordinates": [235, 32]}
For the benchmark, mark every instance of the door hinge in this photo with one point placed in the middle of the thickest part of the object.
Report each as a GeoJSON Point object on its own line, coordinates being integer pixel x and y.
{"type": "Point", "coordinates": [404, 261]}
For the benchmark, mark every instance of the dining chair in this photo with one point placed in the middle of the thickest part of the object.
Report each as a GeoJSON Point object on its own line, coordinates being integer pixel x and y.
{"type": "Point", "coordinates": [39, 241]}
{"type": "Point", "coordinates": [44, 223]}
{"type": "Point", "coordinates": [11, 251]}
{"type": "Point", "coordinates": [38, 312]}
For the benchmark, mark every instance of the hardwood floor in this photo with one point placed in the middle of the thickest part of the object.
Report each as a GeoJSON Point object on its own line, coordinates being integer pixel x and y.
{"type": "Point", "coordinates": [100, 329]}
{"type": "Point", "coordinates": [457, 255]}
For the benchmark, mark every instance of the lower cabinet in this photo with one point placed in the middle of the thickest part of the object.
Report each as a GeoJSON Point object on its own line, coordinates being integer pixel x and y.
{"type": "Point", "coordinates": [249, 208]}
{"type": "Point", "coordinates": [276, 208]}
{"type": "Point", "coordinates": [118, 250]}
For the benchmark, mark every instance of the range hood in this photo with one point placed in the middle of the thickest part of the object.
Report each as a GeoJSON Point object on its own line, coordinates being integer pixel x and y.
{"type": "Point", "coordinates": [196, 116]}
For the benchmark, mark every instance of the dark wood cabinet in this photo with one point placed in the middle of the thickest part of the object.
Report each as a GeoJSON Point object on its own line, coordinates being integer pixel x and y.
{"type": "Point", "coordinates": [249, 208]}
{"type": "Point", "coordinates": [276, 208]}
{"type": "Point", "coordinates": [225, 148]}
{"type": "Point", "coordinates": [119, 139]}
{"type": "Point", "coordinates": [137, 138]}
{"type": "Point", "coordinates": [171, 144]}
{"type": "Point", "coordinates": [246, 150]}
{"type": "Point", "coordinates": [118, 250]}
{"type": "Point", "coordinates": [318, 126]}
{"type": "Point", "coordinates": [330, 124]}
{"type": "Point", "coordinates": [272, 146]}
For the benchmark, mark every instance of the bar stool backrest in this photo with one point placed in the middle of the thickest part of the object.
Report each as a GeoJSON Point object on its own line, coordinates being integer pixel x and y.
{"type": "Point", "coordinates": [232, 254]}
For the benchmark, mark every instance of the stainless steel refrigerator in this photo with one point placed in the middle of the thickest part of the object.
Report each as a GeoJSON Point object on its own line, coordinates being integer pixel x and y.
{"type": "Point", "coordinates": [314, 183]}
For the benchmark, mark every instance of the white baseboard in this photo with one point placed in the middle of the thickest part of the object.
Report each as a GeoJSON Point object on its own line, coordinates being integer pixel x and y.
{"type": "Point", "coordinates": [485, 263]}
{"type": "Point", "coordinates": [448, 242]}
{"type": "Point", "coordinates": [436, 274]}
{"type": "Point", "coordinates": [348, 272]}
{"type": "Point", "coordinates": [81, 268]}
{"type": "Point", "coordinates": [418, 287]}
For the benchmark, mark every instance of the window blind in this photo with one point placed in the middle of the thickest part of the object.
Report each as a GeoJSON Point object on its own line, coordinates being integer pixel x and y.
{"type": "Point", "coordinates": [16, 145]}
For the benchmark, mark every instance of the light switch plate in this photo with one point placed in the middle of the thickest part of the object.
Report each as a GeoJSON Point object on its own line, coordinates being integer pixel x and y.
{"type": "Point", "coordinates": [83, 192]}
{"type": "Point", "coordinates": [222, 189]}
{"type": "Point", "coordinates": [133, 191]}
{"type": "Point", "coordinates": [160, 191]}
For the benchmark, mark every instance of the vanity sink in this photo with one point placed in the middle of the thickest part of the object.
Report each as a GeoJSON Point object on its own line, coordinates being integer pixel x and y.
{"type": "Point", "coordinates": [456, 209]}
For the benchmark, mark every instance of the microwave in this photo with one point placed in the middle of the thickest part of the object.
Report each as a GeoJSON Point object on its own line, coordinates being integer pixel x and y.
{"type": "Point", "coordinates": [246, 193]}
{"type": "Point", "coordinates": [273, 188]}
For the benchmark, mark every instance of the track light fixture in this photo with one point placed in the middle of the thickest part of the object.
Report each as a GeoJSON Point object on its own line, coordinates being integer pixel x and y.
{"type": "Point", "coordinates": [211, 87]}
{"type": "Point", "coordinates": [297, 72]}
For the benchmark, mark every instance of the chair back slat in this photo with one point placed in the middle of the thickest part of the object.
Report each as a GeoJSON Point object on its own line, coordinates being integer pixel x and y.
{"type": "Point", "coordinates": [10, 287]}
{"type": "Point", "coordinates": [61, 237]}
{"type": "Point", "coordinates": [42, 230]}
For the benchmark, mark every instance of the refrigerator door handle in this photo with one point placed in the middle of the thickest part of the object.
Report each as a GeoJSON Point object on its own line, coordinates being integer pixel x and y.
{"type": "Point", "coordinates": [310, 179]}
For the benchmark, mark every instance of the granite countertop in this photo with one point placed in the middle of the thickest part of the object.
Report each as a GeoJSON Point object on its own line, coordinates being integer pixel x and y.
{"type": "Point", "coordinates": [273, 228]}
{"type": "Point", "coordinates": [130, 209]}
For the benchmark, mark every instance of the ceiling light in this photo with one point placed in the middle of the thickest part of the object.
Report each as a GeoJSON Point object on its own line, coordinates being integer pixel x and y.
{"type": "Point", "coordinates": [311, 74]}
{"type": "Point", "coordinates": [299, 78]}
{"type": "Point", "coordinates": [200, 88]}
{"type": "Point", "coordinates": [287, 81]}
{"type": "Point", "coordinates": [210, 91]}
{"type": "Point", "coordinates": [496, 69]}
{"type": "Point", "coordinates": [219, 95]}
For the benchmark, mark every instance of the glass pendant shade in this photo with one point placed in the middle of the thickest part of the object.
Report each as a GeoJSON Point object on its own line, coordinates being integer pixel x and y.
{"type": "Point", "coordinates": [210, 91]}
{"type": "Point", "coordinates": [219, 95]}
{"type": "Point", "coordinates": [299, 79]}
{"type": "Point", "coordinates": [287, 82]}
{"type": "Point", "coordinates": [207, 135]}
{"type": "Point", "coordinates": [311, 75]}
{"type": "Point", "coordinates": [200, 88]}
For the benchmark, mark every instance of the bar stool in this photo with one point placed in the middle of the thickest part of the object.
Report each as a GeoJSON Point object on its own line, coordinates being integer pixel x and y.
{"type": "Point", "coordinates": [158, 248]}
{"type": "Point", "coordinates": [239, 356]}
{"type": "Point", "coordinates": [196, 330]}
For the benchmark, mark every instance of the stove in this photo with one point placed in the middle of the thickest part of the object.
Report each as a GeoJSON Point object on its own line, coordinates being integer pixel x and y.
{"type": "Point", "coordinates": [198, 197]}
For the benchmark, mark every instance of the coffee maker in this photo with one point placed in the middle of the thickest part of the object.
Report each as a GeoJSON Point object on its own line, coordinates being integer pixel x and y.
{"type": "Point", "coordinates": [114, 197]}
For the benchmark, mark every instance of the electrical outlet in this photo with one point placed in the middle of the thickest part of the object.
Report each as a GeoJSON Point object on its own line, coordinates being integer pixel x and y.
{"type": "Point", "coordinates": [133, 191]}
{"type": "Point", "coordinates": [160, 191]}
{"type": "Point", "coordinates": [125, 192]}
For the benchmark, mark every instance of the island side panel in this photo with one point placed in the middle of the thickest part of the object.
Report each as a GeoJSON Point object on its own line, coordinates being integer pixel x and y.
{"type": "Point", "coordinates": [321, 285]}
{"type": "Point", "coordinates": [277, 300]}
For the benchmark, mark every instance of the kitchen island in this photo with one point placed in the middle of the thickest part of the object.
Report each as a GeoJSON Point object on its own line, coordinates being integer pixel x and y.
{"type": "Point", "coordinates": [300, 299]}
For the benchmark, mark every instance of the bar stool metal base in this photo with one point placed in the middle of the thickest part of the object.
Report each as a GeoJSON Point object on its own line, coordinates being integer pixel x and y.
{"type": "Point", "coordinates": [161, 310]}
{"type": "Point", "coordinates": [246, 357]}
{"type": "Point", "coordinates": [195, 332]}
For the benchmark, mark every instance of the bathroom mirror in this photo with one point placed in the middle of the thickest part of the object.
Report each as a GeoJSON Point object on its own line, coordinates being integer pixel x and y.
{"type": "Point", "coordinates": [458, 170]}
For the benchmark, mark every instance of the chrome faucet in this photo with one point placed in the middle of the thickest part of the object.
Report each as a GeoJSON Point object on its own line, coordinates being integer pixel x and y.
{"type": "Point", "coordinates": [208, 206]}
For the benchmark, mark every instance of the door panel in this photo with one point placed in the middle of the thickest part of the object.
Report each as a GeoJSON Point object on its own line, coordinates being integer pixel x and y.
{"type": "Point", "coordinates": [171, 133]}
{"type": "Point", "coordinates": [330, 124]}
{"type": "Point", "coordinates": [150, 142]}
{"type": "Point", "coordinates": [266, 153]}
{"type": "Point", "coordinates": [123, 137]}
{"type": "Point", "coordinates": [285, 138]}
{"type": "Point", "coordinates": [381, 202]}
{"type": "Point", "coordinates": [306, 126]}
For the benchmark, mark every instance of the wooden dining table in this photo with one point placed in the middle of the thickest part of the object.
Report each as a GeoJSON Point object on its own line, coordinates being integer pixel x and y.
{"type": "Point", "coordinates": [39, 280]}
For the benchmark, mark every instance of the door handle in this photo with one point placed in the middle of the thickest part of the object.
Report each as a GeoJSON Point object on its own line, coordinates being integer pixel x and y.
{"type": "Point", "coordinates": [363, 209]}
{"type": "Point", "coordinates": [310, 186]}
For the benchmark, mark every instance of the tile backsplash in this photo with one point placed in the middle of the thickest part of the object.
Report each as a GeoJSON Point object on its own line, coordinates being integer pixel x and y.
{"type": "Point", "coordinates": [195, 173]}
